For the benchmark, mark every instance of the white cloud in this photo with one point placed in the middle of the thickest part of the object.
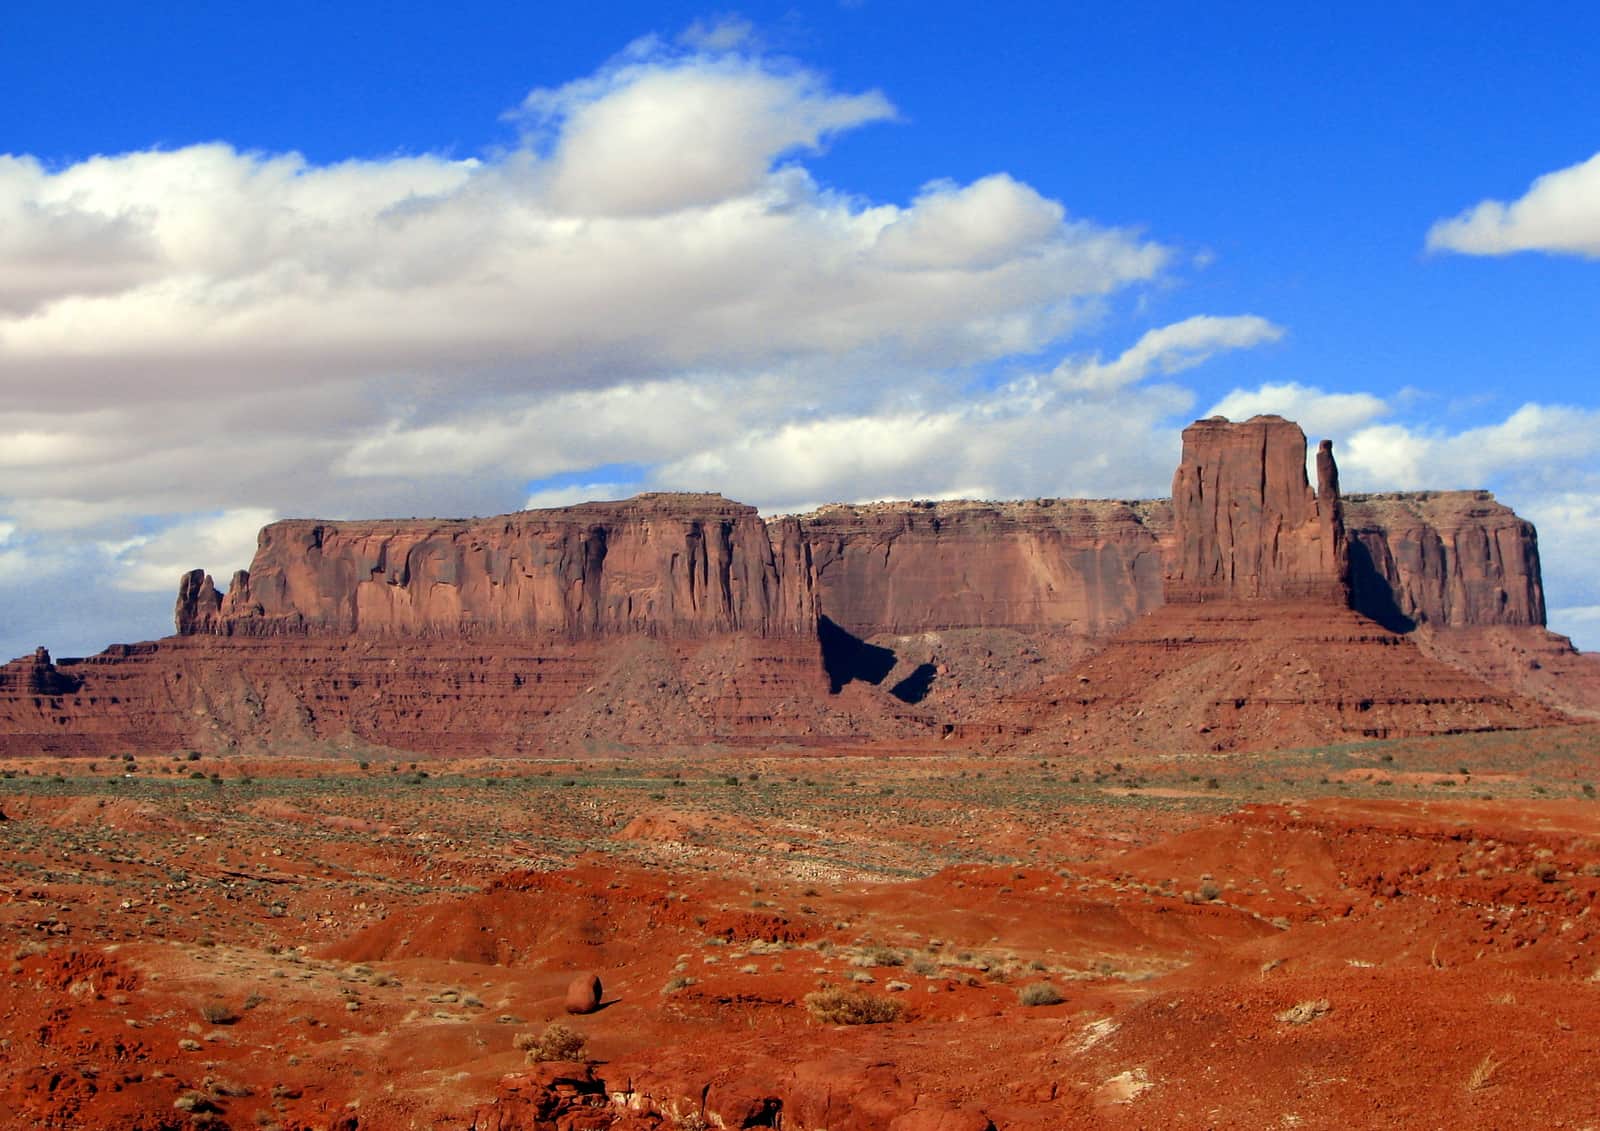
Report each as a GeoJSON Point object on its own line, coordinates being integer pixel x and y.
{"type": "Point", "coordinates": [976, 226]}
{"type": "Point", "coordinates": [1585, 619]}
{"type": "Point", "coordinates": [650, 138]}
{"type": "Point", "coordinates": [1537, 444]}
{"type": "Point", "coordinates": [1168, 350]}
{"type": "Point", "coordinates": [1320, 413]}
{"type": "Point", "coordinates": [219, 543]}
{"type": "Point", "coordinates": [1559, 213]}
{"type": "Point", "coordinates": [194, 339]}
{"type": "Point", "coordinates": [724, 33]}
{"type": "Point", "coordinates": [578, 493]}
{"type": "Point", "coordinates": [14, 561]}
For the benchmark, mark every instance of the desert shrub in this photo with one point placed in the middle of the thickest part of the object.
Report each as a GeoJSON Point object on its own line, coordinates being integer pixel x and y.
{"type": "Point", "coordinates": [851, 1007]}
{"type": "Point", "coordinates": [218, 1013]}
{"type": "Point", "coordinates": [1039, 993]}
{"type": "Point", "coordinates": [879, 956]}
{"type": "Point", "coordinates": [673, 985]}
{"type": "Point", "coordinates": [557, 1042]}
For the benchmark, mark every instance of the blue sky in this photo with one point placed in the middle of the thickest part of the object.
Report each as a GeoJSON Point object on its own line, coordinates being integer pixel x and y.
{"type": "Point", "coordinates": [344, 260]}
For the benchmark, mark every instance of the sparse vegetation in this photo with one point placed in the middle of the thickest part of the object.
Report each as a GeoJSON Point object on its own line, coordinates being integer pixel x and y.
{"type": "Point", "coordinates": [557, 1042]}
{"type": "Point", "coordinates": [1483, 1072]}
{"type": "Point", "coordinates": [833, 1006]}
{"type": "Point", "coordinates": [1305, 1012]}
{"type": "Point", "coordinates": [218, 1013]}
{"type": "Point", "coordinates": [1040, 993]}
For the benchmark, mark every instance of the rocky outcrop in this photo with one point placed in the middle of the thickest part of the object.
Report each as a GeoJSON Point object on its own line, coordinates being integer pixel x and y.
{"type": "Point", "coordinates": [35, 675]}
{"type": "Point", "coordinates": [685, 619]}
{"type": "Point", "coordinates": [1083, 567]}
{"type": "Point", "coordinates": [670, 565]}
{"type": "Point", "coordinates": [1246, 524]}
{"type": "Point", "coordinates": [1444, 559]}
{"type": "Point", "coordinates": [199, 607]}
{"type": "Point", "coordinates": [1225, 675]}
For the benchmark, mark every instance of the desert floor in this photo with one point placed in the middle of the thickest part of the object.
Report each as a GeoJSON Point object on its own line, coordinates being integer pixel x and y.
{"type": "Point", "coordinates": [1384, 934]}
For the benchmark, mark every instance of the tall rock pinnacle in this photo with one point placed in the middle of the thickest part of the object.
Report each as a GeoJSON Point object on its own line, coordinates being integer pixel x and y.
{"type": "Point", "coordinates": [1246, 523]}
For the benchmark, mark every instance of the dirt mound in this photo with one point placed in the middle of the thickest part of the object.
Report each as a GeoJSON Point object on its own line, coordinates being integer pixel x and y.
{"type": "Point", "coordinates": [111, 813]}
{"type": "Point", "coordinates": [1234, 675]}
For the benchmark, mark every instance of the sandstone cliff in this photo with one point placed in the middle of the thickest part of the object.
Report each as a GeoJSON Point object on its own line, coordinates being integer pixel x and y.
{"type": "Point", "coordinates": [1246, 523]}
{"type": "Point", "coordinates": [673, 565]}
{"type": "Point", "coordinates": [1237, 611]}
{"type": "Point", "coordinates": [1444, 559]}
{"type": "Point", "coordinates": [1085, 567]}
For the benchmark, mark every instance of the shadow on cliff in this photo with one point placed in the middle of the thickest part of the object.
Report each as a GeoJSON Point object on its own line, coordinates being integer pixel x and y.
{"type": "Point", "coordinates": [1370, 592]}
{"type": "Point", "coordinates": [847, 659]}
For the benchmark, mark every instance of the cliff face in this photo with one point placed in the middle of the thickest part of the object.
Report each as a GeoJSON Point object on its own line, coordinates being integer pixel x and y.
{"type": "Point", "coordinates": [674, 565]}
{"type": "Point", "coordinates": [1246, 523]}
{"type": "Point", "coordinates": [684, 618]}
{"type": "Point", "coordinates": [1243, 523]}
{"type": "Point", "coordinates": [1444, 559]}
{"type": "Point", "coordinates": [901, 568]}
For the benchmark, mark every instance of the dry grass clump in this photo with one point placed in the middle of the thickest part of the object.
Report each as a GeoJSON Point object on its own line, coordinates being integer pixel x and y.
{"type": "Point", "coordinates": [218, 1013]}
{"type": "Point", "coordinates": [1040, 993]}
{"type": "Point", "coordinates": [1483, 1073]}
{"type": "Point", "coordinates": [557, 1042]}
{"type": "Point", "coordinates": [1304, 1012]}
{"type": "Point", "coordinates": [878, 956]}
{"type": "Point", "coordinates": [834, 1006]}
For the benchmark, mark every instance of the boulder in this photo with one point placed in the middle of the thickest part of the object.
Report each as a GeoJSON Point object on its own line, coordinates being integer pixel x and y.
{"type": "Point", "coordinates": [584, 993]}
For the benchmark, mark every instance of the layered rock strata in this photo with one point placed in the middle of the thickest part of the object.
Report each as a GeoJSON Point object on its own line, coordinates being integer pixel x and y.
{"type": "Point", "coordinates": [667, 565]}
{"type": "Point", "coordinates": [1246, 523]}
{"type": "Point", "coordinates": [1445, 559]}
{"type": "Point", "coordinates": [687, 618]}
{"type": "Point", "coordinates": [1086, 567]}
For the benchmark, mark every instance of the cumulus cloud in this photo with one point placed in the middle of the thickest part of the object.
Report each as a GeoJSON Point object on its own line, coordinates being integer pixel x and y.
{"type": "Point", "coordinates": [577, 493]}
{"type": "Point", "coordinates": [1319, 412]}
{"type": "Point", "coordinates": [152, 562]}
{"type": "Point", "coordinates": [1168, 350]}
{"type": "Point", "coordinates": [1544, 445]}
{"type": "Point", "coordinates": [645, 138]}
{"type": "Point", "coordinates": [14, 562]}
{"type": "Point", "coordinates": [1559, 213]}
{"type": "Point", "coordinates": [193, 340]}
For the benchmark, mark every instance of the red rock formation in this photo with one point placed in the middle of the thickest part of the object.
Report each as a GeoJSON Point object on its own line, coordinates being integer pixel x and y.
{"type": "Point", "coordinates": [1258, 675]}
{"type": "Point", "coordinates": [583, 994]}
{"type": "Point", "coordinates": [669, 565]}
{"type": "Point", "coordinates": [1246, 523]}
{"type": "Point", "coordinates": [35, 675]}
{"type": "Point", "coordinates": [1444, 559]}
{"type": "Point", "coordinates": [199, 606]}
{"type": "Point", "coordinates": [1084, 567]}
{"type": "Point", "coordinates": [686, 618]}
